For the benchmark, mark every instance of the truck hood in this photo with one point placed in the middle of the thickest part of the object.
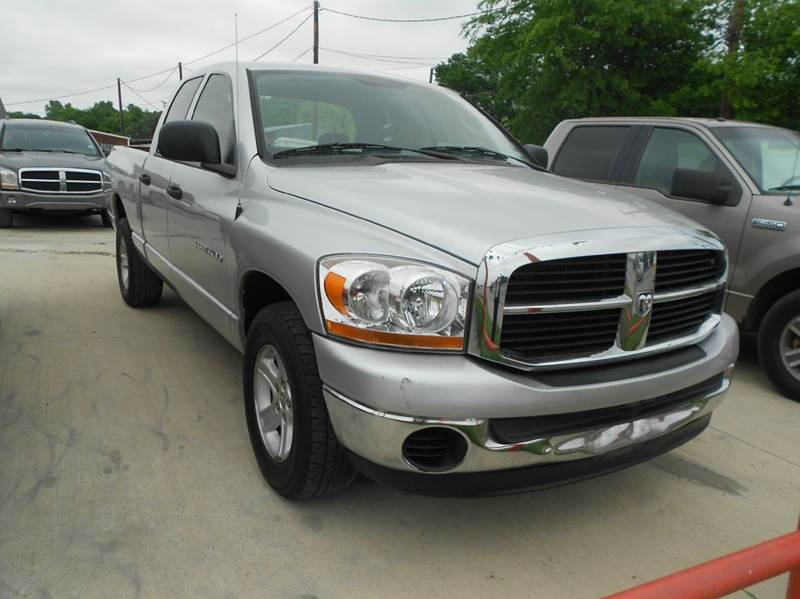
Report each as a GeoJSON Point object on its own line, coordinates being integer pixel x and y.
{"type": "Point", "coordinates": [18, 160]}
{"type": "Point", "coordinates": [464, 209]}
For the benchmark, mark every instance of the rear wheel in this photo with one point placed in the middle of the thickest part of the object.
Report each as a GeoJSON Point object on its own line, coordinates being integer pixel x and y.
{"type": "Point", "coordinates": [779, 345]}
{"type": "Point", "coordinates": [6, 217]}
{"type": "Point", "coordinates": [138, 284]}
{"type": "Point", "coordinates": [294, 444]}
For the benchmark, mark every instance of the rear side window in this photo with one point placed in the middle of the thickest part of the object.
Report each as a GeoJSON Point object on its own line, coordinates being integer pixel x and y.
{"type": "Point", "coordinates": [215, 106]}
{"type": "Point", "coordinates": [182, 101]}
{"type": "Point", "coordinates": [590, 152]}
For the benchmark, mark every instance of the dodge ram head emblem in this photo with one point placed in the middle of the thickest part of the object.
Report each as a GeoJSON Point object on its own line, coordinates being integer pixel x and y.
{"type": "Point", "coordinates": [644, 302]}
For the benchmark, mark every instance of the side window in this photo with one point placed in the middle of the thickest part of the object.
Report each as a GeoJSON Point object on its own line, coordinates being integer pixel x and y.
{"type": "Point", "coordinates": [672, 149]}
{"type": "Point", "coordinates": [215, 106]}
{"type": "Point", "coordinates": [589, 152]}
{"type": "Point", "coordinates": [182, 101]}
{"type": "Point", "coordinates": [296, 122]}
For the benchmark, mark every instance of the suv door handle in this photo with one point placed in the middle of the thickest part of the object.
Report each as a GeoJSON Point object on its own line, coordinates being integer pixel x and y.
{"type": "Point", "coordinates": [144, 178]}
{"type": "Point", "coordinates": [175, 191]}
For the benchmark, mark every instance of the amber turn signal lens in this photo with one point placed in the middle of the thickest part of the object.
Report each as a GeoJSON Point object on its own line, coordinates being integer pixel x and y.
{"type": "Point", "coordinates": [334, 289]}
{"type": "Point", "coordinates": [394, 339]}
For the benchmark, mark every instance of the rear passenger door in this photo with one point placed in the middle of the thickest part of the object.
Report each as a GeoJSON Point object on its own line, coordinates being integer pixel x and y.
{"type": "Point", "coordinates": [659, 151]}
{"type": "Point", "coordinates": [595, 153]}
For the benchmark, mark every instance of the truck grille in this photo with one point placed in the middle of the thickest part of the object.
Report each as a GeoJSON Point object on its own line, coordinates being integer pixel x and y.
{"type": "Point", "coordinates": [54, 180]}
{"type": "Point", "coordinates": [677, 269]}
{"type": "Point", "coordinates": [570, 279]}
{"type": "Point", "coordinates": [562, 310]}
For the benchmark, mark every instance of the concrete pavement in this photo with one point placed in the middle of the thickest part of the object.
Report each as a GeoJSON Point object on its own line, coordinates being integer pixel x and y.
{"type": "Point", "coordinates": [126, 471]}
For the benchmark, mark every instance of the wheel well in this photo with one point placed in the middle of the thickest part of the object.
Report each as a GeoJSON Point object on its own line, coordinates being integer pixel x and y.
{"type": "Point", "coordinates": [259, 290]}
{"type": "Point", "coordinates": [119, 209]}
{"type": "Point", "coordinates": [776, 288]}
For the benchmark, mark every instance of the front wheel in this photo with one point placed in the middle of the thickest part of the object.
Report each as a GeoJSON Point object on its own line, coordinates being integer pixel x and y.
{"type": "Point", "coordinates": [138, 284]}
{"type": "Point", "coordinates": [292, 438]}
{"type": "Point", "coordinates": [108, 221]}
{"type": "Point", "coordinates": [6, 217]}
{"type": "Point", "coordinates": [779, 345]}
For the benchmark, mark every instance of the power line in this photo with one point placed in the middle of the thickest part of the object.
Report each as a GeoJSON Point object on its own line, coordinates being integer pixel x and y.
{"type": "Point", "coordinates": [290, 34]}
{"type": "Point", "coordinates": [140, 96]}
{"type": "Point", "coordinates": [167, 78]}
{"type": "Point", "coordinates": [88, 91]}
{"type": "Point", "coordinates": [374, 58]}
{"type": "Point", "coordinates": [303, 53]}
{"type": "Point", "coordinates": [252, 35]}
{"type": "Point", "coordinates": [429, 20]}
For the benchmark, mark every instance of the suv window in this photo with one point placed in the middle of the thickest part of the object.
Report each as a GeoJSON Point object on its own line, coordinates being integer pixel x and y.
{"type": "Point", "coordinates": [671, 149]}
{"type": "Point", "coordinates": [589, 152]}
{"type": "Point", "coordinates": [183, 99]}
{"type": "Point", "coordinates": [215, 106]}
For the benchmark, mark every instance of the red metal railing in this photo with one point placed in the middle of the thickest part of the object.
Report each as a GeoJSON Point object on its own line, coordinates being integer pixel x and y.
{"type": "Point", "coordinates": [732, 572]}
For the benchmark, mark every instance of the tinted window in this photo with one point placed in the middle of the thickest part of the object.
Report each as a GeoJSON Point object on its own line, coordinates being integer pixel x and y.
{"type": "Point", "coordinates": [183, 99]}
{"type": "Point", "coordinates": [671, 149]}
{"type": "Point", "coordinates": [215, 106]}
{"type": "Point", "coordinates": [770, 156]}
{"type": "Point", "coordinates": [590, 152]}
{"type": "Point", "coordinates": [48, 139]}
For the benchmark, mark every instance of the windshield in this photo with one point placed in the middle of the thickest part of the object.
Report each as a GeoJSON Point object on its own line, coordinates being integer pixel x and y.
{"type": "Point", "coordinates": [302, 109]}
{"type": "Point", "coordinates": [770, 156]}
{"type": "Point", "coordinates": [19, 137]}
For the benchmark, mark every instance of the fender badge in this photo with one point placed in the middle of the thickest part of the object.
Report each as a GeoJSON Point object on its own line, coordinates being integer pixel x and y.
{"type": "Point", "coordinates": [773, 225]}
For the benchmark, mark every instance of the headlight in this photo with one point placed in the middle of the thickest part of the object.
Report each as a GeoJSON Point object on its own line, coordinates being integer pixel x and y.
{"type": "Point", "coordinates": [8, 178]}
{"type": "Point", "coordinates": [394, 302]}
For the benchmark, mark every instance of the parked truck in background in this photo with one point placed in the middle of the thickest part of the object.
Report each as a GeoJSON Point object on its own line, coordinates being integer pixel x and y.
{"type": "Point", "coordinates": [52, 167]}
{"type": "Point", "coordinates": [414, 298]}
{"type": "Point", "coordinates": [741, 180]}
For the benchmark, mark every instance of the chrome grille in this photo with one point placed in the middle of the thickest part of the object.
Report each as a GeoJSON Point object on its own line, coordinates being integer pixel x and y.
{"type": "Point", "coordinates": [616, 294]}
{"type": "Point", "coordinates": [55, 180]}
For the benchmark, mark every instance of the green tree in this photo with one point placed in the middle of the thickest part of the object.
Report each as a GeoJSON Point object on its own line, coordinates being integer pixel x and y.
{"type": "Point", "coordinates": [102, 116]}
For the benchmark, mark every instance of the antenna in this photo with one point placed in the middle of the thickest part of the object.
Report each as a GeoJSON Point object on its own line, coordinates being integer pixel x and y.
{"type": "Point", "coordinates": [236, 95]}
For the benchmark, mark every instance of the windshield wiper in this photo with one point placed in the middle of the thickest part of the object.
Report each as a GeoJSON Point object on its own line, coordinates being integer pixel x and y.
{"type": "Point", "coordinates": [785, 188]}
{"type": "Point", "coordinates": [483, 152]}
{"type": "Point", "coordinates": [22, 150]}
{"type": "Point", "coordinates": [342, 147]}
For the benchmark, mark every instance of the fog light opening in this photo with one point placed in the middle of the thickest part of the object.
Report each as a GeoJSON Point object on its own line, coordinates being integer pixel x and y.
{"type": "Point", "coordinates": [435, 449]}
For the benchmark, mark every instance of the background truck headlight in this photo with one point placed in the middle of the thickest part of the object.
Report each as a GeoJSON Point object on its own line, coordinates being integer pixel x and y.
{"type": "Point", "coordinates": [8, 178]}
{"type": "Point", "coordinates": [394, 302]}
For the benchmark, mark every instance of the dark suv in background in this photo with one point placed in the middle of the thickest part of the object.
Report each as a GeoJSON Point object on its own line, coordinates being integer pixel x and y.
{"type": "Point", "coordinates": [48, 166]}
{"type": "Point", "coordinates": [738, 179]}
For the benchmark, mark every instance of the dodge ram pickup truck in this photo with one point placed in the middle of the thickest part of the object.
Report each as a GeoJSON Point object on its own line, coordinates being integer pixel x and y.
{"type": "Point", "coordinates": [415, 298]}
{"type": "Point", "coordinates": [741, 180]}
{"type": "Point", "coordinates": [47, 166]}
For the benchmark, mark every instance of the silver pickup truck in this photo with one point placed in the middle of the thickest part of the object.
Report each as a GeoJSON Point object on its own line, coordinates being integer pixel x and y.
{"type": "Point", "coordinates": [47, 166]}
{"type": "Point", "coordinates": [415, 298]}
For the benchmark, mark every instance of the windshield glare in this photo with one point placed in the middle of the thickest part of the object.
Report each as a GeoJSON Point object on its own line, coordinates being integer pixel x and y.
{"type": "Point", "coordinates": [44, 138]}
{"type": "Point", "coordinates": [301, 109]}
{"type": "Point", "coordinates": [770, 156]}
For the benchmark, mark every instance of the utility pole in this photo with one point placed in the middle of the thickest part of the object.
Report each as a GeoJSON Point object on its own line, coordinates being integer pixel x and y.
{"type": "Point", "coordinates": [430, 77]}
{"type": "Point", "coordinates": [734, 37]}
{"type": "Point", "coordinates": [180, 71]}
{"type": "Point", "coordinates": [119, 99]}
{"type": "Point", "coordinates": [316, 31]}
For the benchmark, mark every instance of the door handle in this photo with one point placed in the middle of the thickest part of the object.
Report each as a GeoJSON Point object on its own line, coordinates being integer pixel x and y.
{"type": "Point", "coordinates": [144, 178]}
{"type": "Point", "coordinates": [175, 191]}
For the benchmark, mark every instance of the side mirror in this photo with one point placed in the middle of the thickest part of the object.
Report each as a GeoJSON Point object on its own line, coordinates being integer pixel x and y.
{"type": "Point", "coordinates": [189, 141]}
{"type": "Point", "coordinates": [699, 185]}
{"type": "Point", "coordinates": [538, 153]}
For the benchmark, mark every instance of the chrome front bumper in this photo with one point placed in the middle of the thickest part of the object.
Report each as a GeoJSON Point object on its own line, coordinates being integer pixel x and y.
{"type": "Point", "coordinates": [378, 436]}
{"type": "Point", "coordinates": [55, 202]}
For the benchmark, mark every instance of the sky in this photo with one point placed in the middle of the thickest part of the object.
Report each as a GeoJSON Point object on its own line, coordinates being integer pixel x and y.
{"type": "Point", "coordinates": [53, 48]}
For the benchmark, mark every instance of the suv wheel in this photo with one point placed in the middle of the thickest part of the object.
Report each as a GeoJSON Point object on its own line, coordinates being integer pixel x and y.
{"type": "Point", "coordinates": [107, 219]}
{"type": "Point", "coordinates": [138, 284]}
{"type": "Point", "coordinates": [779, 345]}
{"type": "Point", "coordinates": [6, 217]}
{"type": "Point", "coordinates": [294, 444]}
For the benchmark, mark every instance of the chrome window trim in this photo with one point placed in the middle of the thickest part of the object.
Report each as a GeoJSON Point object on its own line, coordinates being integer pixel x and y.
{"type": "Point", "coordinates": [502, 260]}
{"type": "Point", "coordinates": [62, 180]}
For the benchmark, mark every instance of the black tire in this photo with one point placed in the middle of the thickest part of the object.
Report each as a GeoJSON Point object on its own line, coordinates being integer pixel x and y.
{"type": "Point", "coordinates": [6, 218]}
{"type": "Point", "coordinates": [107, 219]}
{"type": "Point", "coordinates": [771, 344]}
{"type": "Point", "coordinates": [143, 286]}
{"type": "Point", "coordinates": [316, 463]}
